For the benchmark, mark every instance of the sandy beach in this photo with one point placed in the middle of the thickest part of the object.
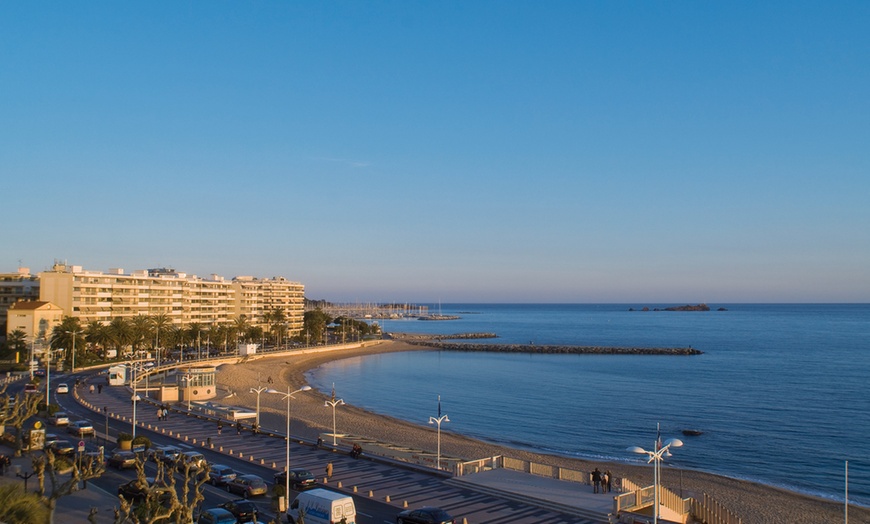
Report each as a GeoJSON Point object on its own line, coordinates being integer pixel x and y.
{"type": "Point", "coordinates": [754, 503]}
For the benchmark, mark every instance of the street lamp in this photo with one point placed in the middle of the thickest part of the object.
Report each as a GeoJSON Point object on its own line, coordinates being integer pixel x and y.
{"type": "Point", "coordinates": [661, 451]}
{"type": "Point", "coordinates": [439, 420]}
{"type": "Point", "coordinates": [73, 333]}
{"type": "Point", "coordinates": [258, 390]}
{"type": "Point", "coordinates": [135, 398]}
{"type": "Point", "coordinates": [287, 396]}
{"type": "Point", "coordinates": [334, 402]}
{"type": "Point", "coordinates": [48, 375]}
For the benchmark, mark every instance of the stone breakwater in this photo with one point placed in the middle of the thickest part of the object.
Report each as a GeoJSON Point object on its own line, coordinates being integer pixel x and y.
{"type": "Point", "coordinates": [531, 348]}
{"type": "Point", "coordinates": [409, 337]}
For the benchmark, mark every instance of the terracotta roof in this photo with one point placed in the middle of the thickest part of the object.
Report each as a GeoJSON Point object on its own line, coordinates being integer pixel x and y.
{"type": "Point", "coordinates": [28, 304]}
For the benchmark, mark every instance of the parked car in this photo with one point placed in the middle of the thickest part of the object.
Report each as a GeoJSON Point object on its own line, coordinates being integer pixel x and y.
{"type": "Point", "coordinates": [194, 458]}
{"type": "Point", "coordinates": [241, 509]}
{"type": "Point", "coordinates": [247, 486]}
{"type": "Point", "coordinates": [424, 515]}
{"type": "Point", "coordinates": [122, 460]}
{"type": "Point", "coordinates": [60, 419]}
{"type": "Point", "coordinates": [220, 474]}
{"type": "Point", "coordinates": [49, 438]}
{"type": "Point", "coordinates": [81, 428]}
{"type": "Point", "coordinates": [300, 479]}
{"type": "Point", "coordinates": [216, 516]}
{"type": "Point", "coordinates": [61, 447]}
{"type": "Point", "coordinates": [165, 454]}
{"type": "Point", "coordinates": [62, 388]}
{"type": "Point", "coordinates": [134, 491]}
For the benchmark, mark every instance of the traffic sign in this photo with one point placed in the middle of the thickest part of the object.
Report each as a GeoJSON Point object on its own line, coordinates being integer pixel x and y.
{"type": "Point", "coordinates": [81, 446]}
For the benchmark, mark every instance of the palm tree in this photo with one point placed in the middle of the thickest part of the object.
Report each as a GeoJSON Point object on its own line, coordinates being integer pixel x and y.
{"type": "Point", "coordinates": [18, 507]}
{"type": "Point", "coordinates": [97, 335]}
{"type": "Point", "coordinates": [121, 333]}
{"type": "Point", "coordinates": [68, 334]}
{"type": "Point", "coordinates": [160, 322]}
{"type": "Point", "coordinates": [241, 326]}
{"type": "Point", "coordinates": [17, 341]}
{"type": "Point", "coordinates": [140, 328]}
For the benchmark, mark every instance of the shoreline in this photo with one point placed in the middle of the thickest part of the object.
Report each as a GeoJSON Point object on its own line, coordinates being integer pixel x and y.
{"type": "Point", "coordinates": [751, 501]}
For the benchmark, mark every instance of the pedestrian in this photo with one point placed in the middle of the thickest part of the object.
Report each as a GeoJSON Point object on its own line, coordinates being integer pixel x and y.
{"type": "Point", "coordinates": [607, 478]}
{"type": "Point", "coordinates": [269, 380]}
{"type": "Point", "coordinates": [596, 480]}
{"type": "Point", "coordinates": [159, 413]}
{"type": "Point", "coordinates": [239, 428]}
{"type": "Point", "coordinates": [220, 427]}
{"type": "Point", "coordinates": [255, 428]}
{"type": "Point", "coordinates": [100, 389]}
{"type": "Point", "coordinates": [91, 389]}
{"type": "Point", "coordinates": [319, 442]}
{"type": "Point", "coordinates": [165, 413]}
{"type": "Point", "coordinates": [329, 470]}
{"type": "Point", "coordinates": [3, 465]}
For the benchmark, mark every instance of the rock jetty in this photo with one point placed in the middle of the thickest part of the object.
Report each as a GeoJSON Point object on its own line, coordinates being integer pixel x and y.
{"type": "Point", "coordinates": [533, 348]}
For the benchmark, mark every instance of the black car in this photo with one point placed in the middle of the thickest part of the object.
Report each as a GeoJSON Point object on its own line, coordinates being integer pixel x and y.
{"type": "Point", "coordinates": [136, 492]}
{"type": "Point", "coordinates": [243, 510]}
{"type": "Point", "coordinates": [62, 447]}
{"type": "Point", "coordinates": [122, 460]}
{"type": "Point", "coordinates": [424, 515]}
{"type": "Point", "coordinates": [300, 479]}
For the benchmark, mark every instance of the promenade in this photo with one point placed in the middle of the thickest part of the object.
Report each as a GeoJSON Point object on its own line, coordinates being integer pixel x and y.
{"type": "Point", "coordinates": [470, 498]}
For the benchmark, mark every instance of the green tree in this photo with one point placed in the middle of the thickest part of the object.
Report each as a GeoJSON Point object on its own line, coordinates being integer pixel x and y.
{"type": "Point", "coordinates": [16, 341]}
{"type": "Point", "coordinates": [63, 335]}
{"type": "Point", "coordinates": [314, 322]}
{"type": "Point", "coordinates": [121, 334]}
{"type": "Point", "coordinates": [240, 327]}
{"type": "Point", "coordinates": [18, 507]}
{"type": "Point", "coordinates": [160, 322]}
{"type": "Point", "coordinates": [97, 335]}
{"type": "Point", "coordinates": [140, 332]}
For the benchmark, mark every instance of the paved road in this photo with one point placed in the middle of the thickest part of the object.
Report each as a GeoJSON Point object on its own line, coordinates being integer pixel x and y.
{"type": "Point", "coordinates": [369, 481]}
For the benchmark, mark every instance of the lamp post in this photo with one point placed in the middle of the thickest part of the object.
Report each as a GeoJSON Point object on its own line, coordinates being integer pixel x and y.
{"type": "Point", "coordinates": [187, 377]}
{"type": "Point", "coordinates": [259, 389]}
{"type": "Point", "coordinates": [48, 375]}
{"type": "Point", "coordinates": [287, 396]}
{"type": "Point", "coordinates": [135, 398]}
{"type": "Point", "coordinates": [334, 402]}
{"type": "Point", "coordinates": [73, 332]}
{"type": "Point", "coordinates": [661, 451]}
{"type": "Point", "coordinates": [439, 420]}
{"type": "Point", "coordinates": [106, 413]}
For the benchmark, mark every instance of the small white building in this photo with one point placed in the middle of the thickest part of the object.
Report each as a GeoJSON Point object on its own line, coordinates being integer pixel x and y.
{"type": "Point", "coordinates": [117, 375]}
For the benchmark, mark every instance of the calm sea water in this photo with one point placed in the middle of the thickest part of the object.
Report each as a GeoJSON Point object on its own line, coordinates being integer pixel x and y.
{"type": "Point", "coordinates": [781, 391]}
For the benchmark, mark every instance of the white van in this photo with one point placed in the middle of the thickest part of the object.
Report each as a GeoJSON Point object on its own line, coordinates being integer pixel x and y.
{"type": "Point", "coordinates": [321, 506]}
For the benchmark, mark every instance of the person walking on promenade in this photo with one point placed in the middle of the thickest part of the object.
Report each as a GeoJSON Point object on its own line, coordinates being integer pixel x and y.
{"type": "Point", "coordinates": [91, 389]}
{"type": "Point", "coordinates": [329, 470]}
{"type": "Point", "coordinates": [255, 428]}
{"type": "Point", "coordinates": [596, 480]}
{"type": "Point", "coordinates": [220, 426]}
{"type": "Point", "coordinates": [606, 481]}
{"type": "Point", "coordinates": [159, 413]}
{"type": "Point", "coordinates": [239, 427]}
{"type": "Point", "coordinates": [100, 389]}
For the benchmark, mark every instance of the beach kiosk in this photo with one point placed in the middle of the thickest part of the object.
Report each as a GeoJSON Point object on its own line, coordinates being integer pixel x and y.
{"type": "Point", "coordinates": [196, 383]}
{"type": "Point", "coordinates": [117, 375]}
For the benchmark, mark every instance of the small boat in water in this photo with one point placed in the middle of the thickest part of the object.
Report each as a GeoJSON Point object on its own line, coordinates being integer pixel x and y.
{"type": "Point", "coordinates": [692, 432]}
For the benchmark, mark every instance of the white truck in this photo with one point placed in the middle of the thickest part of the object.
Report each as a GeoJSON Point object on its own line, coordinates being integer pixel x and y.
{"type": "Point", "coordinates": [321, 506]}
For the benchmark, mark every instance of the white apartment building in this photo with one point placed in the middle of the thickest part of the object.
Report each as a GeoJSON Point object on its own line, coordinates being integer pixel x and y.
{"type": "Point", "coordinates": [16, 287]}
{"type": "Point", "coordinates": [184, 299]}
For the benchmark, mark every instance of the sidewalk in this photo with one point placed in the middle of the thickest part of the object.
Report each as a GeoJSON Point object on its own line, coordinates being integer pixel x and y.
{"type": "Point", "coordinates": [404, 482]}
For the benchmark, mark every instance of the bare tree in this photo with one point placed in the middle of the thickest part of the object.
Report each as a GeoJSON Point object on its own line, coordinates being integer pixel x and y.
{"type": "Point", "coordinates": [161, 501]}
{"type": "Point", "coordinates": [47, 465]}
{"type": "Point", "coordinates": [15, 411]}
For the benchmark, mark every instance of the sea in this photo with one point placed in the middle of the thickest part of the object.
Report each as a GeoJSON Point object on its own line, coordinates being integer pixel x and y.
{"type": "Point", "coordinates": [780, 392]}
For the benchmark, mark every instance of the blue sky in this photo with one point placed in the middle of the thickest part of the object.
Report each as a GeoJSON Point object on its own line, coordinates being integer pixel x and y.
{"type": "Point", "coordinates": [446, 151]}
